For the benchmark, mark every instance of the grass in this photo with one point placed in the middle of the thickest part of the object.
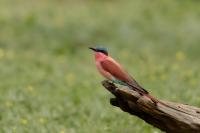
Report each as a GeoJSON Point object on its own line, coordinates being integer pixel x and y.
{"type": "Point", "coordinates": [48, 79]}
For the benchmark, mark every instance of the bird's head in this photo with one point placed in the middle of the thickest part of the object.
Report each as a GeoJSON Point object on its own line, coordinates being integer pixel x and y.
{"type": "Point", "coordinates": [100, 50]}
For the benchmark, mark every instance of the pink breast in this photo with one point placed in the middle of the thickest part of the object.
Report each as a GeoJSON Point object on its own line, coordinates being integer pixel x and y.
{"type": "Point", "coordinates": [103, 72]}
{"type": "Point", "coordinates": [98, 58]}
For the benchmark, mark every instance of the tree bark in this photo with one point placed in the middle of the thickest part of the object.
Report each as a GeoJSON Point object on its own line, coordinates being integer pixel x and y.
{"type": "Point", "coordinates": [173, 118]}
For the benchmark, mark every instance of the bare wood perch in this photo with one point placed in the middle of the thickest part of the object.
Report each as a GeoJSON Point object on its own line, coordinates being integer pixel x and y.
{"type": "Point", "coordinates": [160, 116]}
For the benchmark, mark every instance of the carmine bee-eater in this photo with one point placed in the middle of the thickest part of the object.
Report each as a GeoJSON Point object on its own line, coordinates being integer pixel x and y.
{"type": "Point", "coordinates": [113, 71]}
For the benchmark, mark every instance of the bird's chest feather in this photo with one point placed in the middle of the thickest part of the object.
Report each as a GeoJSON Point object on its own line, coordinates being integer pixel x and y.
{"type": "Point", "coordinates": [99, 67]}
{"type": "Point", "coordinates": [103, 72]}
{"type": "Point", "coordinates": [98, 59]}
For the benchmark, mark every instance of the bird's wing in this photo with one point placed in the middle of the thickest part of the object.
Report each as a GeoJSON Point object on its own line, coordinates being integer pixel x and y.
{"type": "Point", "coordinates": [119, 73]}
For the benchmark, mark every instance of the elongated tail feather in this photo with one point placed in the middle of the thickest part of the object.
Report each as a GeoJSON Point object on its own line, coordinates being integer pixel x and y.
{"type": "Point", "coordinates": [138, 89]}
{"type": "Point", "coordinates": [156, 101]}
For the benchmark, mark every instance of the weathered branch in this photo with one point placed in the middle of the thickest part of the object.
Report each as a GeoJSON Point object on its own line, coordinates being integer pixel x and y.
{"type": "Point", "coordinates": [163, 117]}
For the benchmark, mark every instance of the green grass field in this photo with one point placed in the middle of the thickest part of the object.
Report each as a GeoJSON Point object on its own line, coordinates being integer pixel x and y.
{"type": "Point", "coordinates": [48, 80]}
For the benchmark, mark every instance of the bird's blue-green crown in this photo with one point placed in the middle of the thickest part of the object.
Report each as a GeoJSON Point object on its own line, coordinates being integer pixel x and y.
{"type": "Point", "coordinates": [102, 50]}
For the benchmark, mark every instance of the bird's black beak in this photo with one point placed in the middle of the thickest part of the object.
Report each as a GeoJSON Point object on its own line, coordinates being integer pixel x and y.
{"type": "Point", "coordinates": [92, 49]}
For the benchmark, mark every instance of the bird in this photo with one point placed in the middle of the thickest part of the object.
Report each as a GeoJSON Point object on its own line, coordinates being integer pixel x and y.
{"type": "Point", "coordinates": [114, 71]}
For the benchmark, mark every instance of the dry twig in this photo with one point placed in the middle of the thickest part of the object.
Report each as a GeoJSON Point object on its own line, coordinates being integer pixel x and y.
{"type": "Point", "coordinates": [160, 116]}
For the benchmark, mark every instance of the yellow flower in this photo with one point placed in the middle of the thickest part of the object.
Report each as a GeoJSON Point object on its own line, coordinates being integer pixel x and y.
{"type": "Point", "coordinates": [41, 120]}
{"type": "Point", "coordinates": [29, 88]}
{"type": "Point", "coordinates": [24, 121]}
{"type": "Point", "coordinates": [70, 78]}
{"type": "Point", "coordinates": [14, 128]}
{"type": "Point", "coordinates": [2, 53]}
{"type": "Point", "coordinates": [180, 56]}
{"type": "Point", "coordinates": [62, 131]}
{"type": "Point", "coordinates": [8, 104]}
{"type": "Point", "coordinates": [193, 82]}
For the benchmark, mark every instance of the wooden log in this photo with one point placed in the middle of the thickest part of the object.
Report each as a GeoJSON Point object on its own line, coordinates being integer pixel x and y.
{"type": "Point", "coordinates": [173, 118]}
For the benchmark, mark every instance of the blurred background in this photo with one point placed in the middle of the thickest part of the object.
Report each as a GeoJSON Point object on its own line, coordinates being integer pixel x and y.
{"type": "Point", "coordinates": [48, 79]}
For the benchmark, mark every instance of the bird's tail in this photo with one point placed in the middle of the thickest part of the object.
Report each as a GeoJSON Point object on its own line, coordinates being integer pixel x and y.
{"type": "Point", "coordinates": [144, 92]}
{"type": "Point", "coordinates": [156, 101]}
{"type": "Point", "coordinates": [138, 88]}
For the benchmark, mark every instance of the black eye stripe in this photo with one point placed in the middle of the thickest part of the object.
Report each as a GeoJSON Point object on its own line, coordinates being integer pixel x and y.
{"type": "Point", "coordinates": [102, 51]}
{"type": "Point", "coordinates": [105, 52]}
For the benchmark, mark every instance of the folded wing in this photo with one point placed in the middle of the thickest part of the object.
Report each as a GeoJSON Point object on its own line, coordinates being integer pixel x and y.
{"type": "Point", "coordinates": [119, 73]}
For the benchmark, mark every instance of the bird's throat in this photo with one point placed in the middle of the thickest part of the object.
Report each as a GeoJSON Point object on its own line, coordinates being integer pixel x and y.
{"type": "Point", "coordinates": [100, 56]}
